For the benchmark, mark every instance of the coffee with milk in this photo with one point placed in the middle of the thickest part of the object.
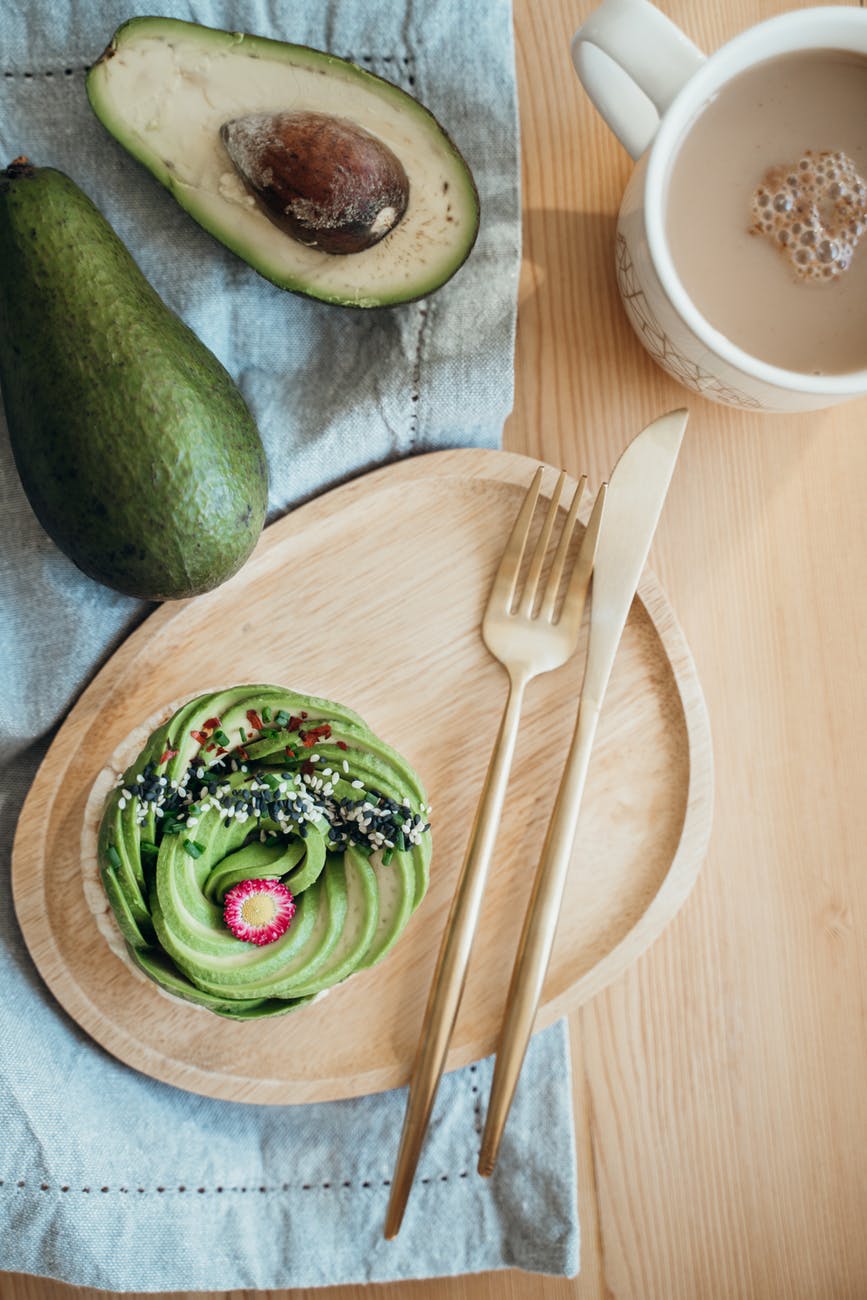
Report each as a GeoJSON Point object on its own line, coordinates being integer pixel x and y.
{"type": "Point", "coordinates": [766, 213]}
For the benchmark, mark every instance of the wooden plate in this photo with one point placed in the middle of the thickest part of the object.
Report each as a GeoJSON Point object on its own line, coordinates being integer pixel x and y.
{"type": "Point", "coordinates": [373, 595]}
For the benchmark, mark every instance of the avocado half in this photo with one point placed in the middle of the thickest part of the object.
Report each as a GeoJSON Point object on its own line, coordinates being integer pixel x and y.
{"type": "Point", "coordinates": [164, 88]}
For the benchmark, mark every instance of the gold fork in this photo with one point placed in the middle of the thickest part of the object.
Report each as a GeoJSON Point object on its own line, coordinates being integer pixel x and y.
{"type": "Point", "coordinates": [527, 640]}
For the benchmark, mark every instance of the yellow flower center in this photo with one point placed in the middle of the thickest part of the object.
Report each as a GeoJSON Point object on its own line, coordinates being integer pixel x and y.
{"type": "Point", "coordinates": [258, 909]}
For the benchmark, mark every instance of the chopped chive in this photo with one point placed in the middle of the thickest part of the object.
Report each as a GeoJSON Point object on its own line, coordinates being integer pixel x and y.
{"type": "Point", "coordinates": [221, 737]}
{"type": "Point", "coordinates": [400, 842]}
{"type": "Point", "coordinates": [266, 714]}
{"type": "Point", "coordinates": [171, 826]}
{"type": "Point", "coordinates": [148, 849]}
{"type": "Point", "coordinates": [243, 735]}
{"type": "Point", "coordinates": [282, 718]}
{"type": "Point", "coordinates": [114, 857]}
{"type": "Point", "coordinates": [387, 856]}
{"type": "Point", "coordinates": [193, 849]}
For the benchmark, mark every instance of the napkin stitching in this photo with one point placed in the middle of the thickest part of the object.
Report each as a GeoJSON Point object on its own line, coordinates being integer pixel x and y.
{"type": "Point", "coordinates": [477, 1104]}
{"type": "Point", "coordinates": [221, 1189]}
{"type": "Point", "coordinates": [416, 373]}
{"type": "Point", "coordinates": [70, 70]}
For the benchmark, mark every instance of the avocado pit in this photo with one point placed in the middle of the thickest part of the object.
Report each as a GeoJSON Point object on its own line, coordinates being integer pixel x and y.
{"type": "Point", "coordinates": [327, 182]}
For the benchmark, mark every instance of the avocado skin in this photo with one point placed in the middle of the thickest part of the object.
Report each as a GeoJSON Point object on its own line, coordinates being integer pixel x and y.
{"type": "Point", "coordinates": [134, 446]}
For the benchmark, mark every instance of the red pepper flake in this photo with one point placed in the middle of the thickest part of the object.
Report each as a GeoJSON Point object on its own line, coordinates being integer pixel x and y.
{"type": "Point", "coordinates": [290, 752]}
{"type": "Point", "coordinates": [208, 748]}
{"type": "Point", "coordinates": [167, 754]}
{"type": "Point", "coordinates": [199, 737]}
{"type": "Point", "coordinates": [304, 715]}
{"type": "Point", "coordinates": [341, 744]}
{"type": "Point", "coordinates": [220, 749]}
{"type": "Point", "coordinates": [307, 768]}
{"type": "Point", "coordinates": [211, 724]}
{"type": "Point", "coordinates": [254, 720]}
{"type": "Point", "coordinates": [241, 752]}
{"type": "Point", "coordinates": [309, 738]}
{"type": "Point", "coordinates": [293, 724]}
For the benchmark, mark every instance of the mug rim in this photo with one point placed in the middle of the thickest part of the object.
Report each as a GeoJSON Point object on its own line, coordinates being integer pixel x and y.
{"type": "Point", "coordinates": [743, 51]}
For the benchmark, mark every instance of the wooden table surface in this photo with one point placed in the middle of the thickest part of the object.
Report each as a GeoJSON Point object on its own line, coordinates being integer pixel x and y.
{"type": "Point", "coordinates": [720, 1098]}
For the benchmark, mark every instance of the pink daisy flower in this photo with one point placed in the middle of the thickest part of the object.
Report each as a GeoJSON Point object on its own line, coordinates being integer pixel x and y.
{"type": "Point", "coordinates": [258, 911]}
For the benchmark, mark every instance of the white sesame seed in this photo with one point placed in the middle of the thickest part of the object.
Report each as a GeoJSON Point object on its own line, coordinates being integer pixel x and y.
{"type": "Point", "coordinates": [345, 765]}
{"type": "Point", "coordinates": [358, 785]}
{"type": "Point", "coordinates": [121, 803]}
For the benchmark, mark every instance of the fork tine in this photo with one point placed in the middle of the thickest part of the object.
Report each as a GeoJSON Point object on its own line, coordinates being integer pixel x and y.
{"type": "Point", "coordinates": [538, 559]}
{"type": "Point", "coordinates": [503, 586]}
{"type": "Point", "coordinates": [576, 592]}
{"type": "Point", "coordinates": [550, 597]}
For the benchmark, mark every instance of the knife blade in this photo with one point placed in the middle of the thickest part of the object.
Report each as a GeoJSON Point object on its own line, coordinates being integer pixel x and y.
{"type": "Point", "coordinates": [636, 494]}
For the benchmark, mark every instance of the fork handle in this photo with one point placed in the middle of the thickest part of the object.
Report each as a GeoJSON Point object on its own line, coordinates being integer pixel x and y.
{"type": "Point", "coordinates": [537, 935]}
{"type": "Point", "coordinates": [450, 975]}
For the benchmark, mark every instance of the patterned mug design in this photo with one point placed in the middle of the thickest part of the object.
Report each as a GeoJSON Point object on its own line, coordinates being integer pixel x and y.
{"type": "Point", "coordinates": [664, 352]}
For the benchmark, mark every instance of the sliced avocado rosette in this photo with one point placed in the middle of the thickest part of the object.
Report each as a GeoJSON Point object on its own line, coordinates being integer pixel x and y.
{"type": "Point", "coordinates": [263, 846]}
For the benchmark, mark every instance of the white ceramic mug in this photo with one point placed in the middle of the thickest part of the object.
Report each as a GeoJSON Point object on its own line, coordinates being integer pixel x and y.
{"type": "Point", "coordinates": [650, 83]}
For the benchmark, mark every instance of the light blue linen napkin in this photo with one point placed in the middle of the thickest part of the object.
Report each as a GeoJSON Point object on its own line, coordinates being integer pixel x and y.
{"type": "Point", "coordinates": [107, 1178]}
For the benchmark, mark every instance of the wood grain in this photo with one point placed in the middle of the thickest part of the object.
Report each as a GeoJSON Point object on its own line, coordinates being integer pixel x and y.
{"type": "Point", "coordinates": [425, 682]}
{"type": "Point", "coordinates": [719, 1085]}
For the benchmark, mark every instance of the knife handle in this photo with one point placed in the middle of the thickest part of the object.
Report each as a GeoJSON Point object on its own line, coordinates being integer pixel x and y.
{"type": "Point", "coordinates": [537, 935]}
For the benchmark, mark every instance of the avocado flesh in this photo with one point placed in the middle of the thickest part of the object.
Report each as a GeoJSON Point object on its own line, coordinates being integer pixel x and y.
{"type": "Point", "coordinates": [134, 446]}
{"type": "Point", "coordinates": [352, 905]}
{"type": "Point", "coordinates": [164, 88]}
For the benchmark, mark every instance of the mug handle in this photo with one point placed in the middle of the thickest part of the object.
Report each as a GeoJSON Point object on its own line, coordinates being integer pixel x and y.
{"type": "Point", "coordinates": [632, 61]}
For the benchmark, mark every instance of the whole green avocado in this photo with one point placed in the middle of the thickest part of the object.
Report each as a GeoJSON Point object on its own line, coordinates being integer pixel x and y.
{"type": "Point", "coordinates": [134, 446]}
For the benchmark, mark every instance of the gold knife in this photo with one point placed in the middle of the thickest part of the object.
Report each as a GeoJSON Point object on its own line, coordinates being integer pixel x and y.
{"type": "Point", "coordinates": [636, 493]}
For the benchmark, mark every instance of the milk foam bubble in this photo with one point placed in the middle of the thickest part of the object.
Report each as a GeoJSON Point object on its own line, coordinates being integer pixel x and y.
{"type": "Point", "coordinates": [815, 212]}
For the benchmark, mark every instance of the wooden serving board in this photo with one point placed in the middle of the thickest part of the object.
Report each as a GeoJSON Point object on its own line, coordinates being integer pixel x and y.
{"type": "Point", "coordinates": [372, 595]}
